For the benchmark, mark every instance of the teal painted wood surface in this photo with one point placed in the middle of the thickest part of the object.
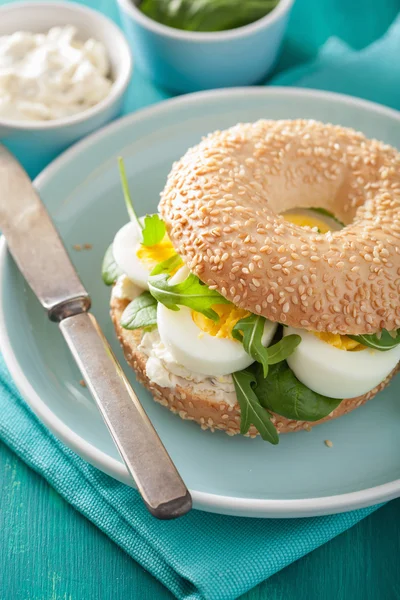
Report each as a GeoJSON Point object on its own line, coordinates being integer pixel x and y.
{"type": "Point", "coordinates": [48, 551]}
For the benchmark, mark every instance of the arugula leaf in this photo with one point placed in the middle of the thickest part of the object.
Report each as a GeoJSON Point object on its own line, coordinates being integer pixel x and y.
{"type": "Point", "coordinates": [386, 341]}
{"type": "Point", "coordinates": [250, 331]}
{"type": "Point", "coordinates": [141, 313]}
{"type": "Point", "coordinates": [282, 393]}
{"type": "Point", "coordinates": [206, 15]}
{"type": "Point", "coordinates": [153, 230]}
{"type": "Point", "coordinates": [110, 271]}
{"type": "Point", "coordinates": [282, 349]}
{"type": "Point", "coordinates": [168, 265]}
{"type": "Point", "coordinates": [191, 292]}
{"type": "Point", "coordinates": [327, 213]}
{"type": "Point", "coordinates": [252, 413]}
{"type": "Point", "coordinates": [125, 190]}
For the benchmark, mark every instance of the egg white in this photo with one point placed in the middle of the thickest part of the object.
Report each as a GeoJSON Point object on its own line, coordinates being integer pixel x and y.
{"type": "Point", "coordinates": [338, 373]}
{"type": "Point", "coordinates": [197, 350]}
{"type": "Point", "coordinates": [125, 246]}
{"type": "Point", "coordinates": [182, 274]}
{"type": "Point", "coordinates": [268, 333]}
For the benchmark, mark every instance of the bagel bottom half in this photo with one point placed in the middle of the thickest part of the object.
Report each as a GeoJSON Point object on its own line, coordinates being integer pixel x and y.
{"type": "Point", "coordinates": [207, 412]}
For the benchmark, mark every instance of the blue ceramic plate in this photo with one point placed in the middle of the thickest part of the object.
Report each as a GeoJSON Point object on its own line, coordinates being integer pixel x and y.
{"type": "Point", "coordinates": [238, 476]}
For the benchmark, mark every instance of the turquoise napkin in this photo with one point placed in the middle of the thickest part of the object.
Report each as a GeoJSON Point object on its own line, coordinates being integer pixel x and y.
{"type": "Point", "coordinates": [373, 73]}
{"type": "Point", "coordinates": [200, 556]}
{"type": "Point", "coordinates": [205, 556]}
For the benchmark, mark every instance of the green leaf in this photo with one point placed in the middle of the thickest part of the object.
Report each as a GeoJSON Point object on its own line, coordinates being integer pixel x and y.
{"type": "Point", "coordinates": [190, 292]}
{"type": "Point", "coordinates": [282, 393]}
{"type": "Point", "coordinates": [252, 413]}
{"type": "Point", "coordinates": [250, 330]}
{"type": "Point", "coordinates": [110, 271]}
{"type": "Point", "coordinates": [168, 265]}
{"type": "Point", "coordinates": [153, 230]}
{"type": "Point", "coordinates": [282, 349]}
{"type": "Point", "coordinates": [327, 213]}
{"type": "Point", "coordinates": [125, 190]}
{"type": "Point", "coordinates": [206, 15]}
{"type": "Point", "coordinates": [384, 341]}
{"type": "Point", "coordinates": [141, 313]}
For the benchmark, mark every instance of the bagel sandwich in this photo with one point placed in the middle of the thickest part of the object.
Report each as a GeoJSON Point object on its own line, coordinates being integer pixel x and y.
{"type": "Point", "coordinates": [263, 297]}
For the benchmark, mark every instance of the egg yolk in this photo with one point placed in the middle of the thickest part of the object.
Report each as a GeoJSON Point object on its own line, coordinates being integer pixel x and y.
{"type": "Point", "coordinates": [152, 255]}
{"type": "Point", "coordinates": [228, 317]}
{"type": "Point", "coordinates": [307, 221]}
{"type": "Point", "coordinates": [343, 342]}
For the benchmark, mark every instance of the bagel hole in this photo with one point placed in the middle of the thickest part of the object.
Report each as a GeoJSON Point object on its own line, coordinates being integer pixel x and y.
{"type": "Point", "coordinates": [316, 219]}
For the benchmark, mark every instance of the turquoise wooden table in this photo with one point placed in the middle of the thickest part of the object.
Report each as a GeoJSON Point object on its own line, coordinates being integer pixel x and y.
{"type": "Point", "coordinates": [48, 551]}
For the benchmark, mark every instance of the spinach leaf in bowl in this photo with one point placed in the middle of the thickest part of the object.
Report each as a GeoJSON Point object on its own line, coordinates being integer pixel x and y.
{"type": "Point", "coordinates": [206, 15]}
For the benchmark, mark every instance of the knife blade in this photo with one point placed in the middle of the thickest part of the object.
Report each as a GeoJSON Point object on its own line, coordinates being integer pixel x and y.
{"type": "Point", "coordinates": [43, 260]}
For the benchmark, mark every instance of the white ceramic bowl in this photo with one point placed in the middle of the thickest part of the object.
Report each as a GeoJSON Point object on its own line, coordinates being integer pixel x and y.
{"type": "Point", "coordinates": [188, 61]}
{"type": "Point", "coordinates": [44, 139]}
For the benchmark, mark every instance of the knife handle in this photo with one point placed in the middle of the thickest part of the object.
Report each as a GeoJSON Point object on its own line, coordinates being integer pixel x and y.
{"type": "Point", "coordinates": [146, 459]}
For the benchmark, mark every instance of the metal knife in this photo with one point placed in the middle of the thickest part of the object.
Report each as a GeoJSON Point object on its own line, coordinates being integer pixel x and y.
{"type": "Point", "coordinates": [43, 260]}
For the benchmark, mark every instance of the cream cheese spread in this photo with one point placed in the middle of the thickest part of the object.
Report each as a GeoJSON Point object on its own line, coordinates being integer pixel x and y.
{"type": "Point", "coordinates": [46, 76]}
{"type": "Point", "coordinates": [162, 369]}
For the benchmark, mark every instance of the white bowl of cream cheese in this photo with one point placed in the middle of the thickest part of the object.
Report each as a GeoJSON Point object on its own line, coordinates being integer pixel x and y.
{"type": "Point", "coordinates": [64, 70]}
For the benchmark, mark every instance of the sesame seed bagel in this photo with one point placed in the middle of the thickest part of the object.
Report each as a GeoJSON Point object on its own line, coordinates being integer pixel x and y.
{"type": "Point", "coordinates": [202, 408]}
{"type": "Point", "coordinates": [221, 206]}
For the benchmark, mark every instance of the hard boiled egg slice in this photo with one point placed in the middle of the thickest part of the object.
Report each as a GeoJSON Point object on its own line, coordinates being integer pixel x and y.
{"type": "Point", "coordinates": [126, 244]}
{"type": "Point", "coordinates": [338, 373]}
{"type": "Point", "coordinates": [194, 348]}
{"type": "Point", "coordinates": [135, 260]}
{"type": "Point", "coordinates": [197, 350]}
{"type": "Point", "coordinates": [202, 345]}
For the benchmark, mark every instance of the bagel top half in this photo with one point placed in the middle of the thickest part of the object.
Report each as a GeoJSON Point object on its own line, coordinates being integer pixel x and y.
{"type": "Point", "coordinates": [222, 204]}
